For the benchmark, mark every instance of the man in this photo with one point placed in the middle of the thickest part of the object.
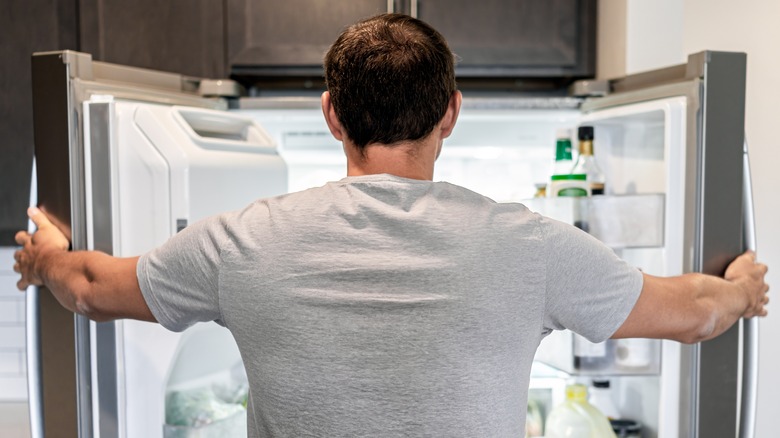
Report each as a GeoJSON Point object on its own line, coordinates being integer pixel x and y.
{"type": "Point", "coordinates": [384, 303]}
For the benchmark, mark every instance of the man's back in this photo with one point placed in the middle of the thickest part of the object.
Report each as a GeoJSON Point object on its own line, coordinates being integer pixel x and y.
{"type": "Point", "coordinates": [380, 306]}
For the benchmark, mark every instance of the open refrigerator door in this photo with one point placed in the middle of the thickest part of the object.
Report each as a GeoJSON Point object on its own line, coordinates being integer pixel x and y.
{"type": "Point", "coordinates": [126, 159]}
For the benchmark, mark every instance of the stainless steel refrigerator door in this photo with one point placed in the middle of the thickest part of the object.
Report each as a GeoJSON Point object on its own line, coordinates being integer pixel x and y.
{"type": "Point", "coordinates": [718, 239]}
{"type": "Point", "coordinates": [66, 406]}
{"type": "Point", "coordinates": [62, 82]}
{"type": "Point", "coordinates": [714, 84]}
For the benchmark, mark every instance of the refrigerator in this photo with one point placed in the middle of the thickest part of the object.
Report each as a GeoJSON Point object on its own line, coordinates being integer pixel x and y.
{"type": "Point", "coordinates": [127, 157]}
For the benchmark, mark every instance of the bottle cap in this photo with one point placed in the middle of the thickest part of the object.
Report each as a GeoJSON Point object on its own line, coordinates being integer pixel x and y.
{"type": "Point", "coordinates": [585, 133]}
{"type": "Point", "coordinates": [577, 392]}
{"type": "Point", "coordinates": [563, 133]}
{"type": "Point", "coordinates": [563, 149]}
{"type": "Point", "coordinates": [597, 383]}
{"type": "Point", "coordinates": [570, 177]}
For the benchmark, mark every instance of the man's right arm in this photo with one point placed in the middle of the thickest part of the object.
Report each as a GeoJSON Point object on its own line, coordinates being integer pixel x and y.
{"type": "Point", "coordinates": [696, 307]}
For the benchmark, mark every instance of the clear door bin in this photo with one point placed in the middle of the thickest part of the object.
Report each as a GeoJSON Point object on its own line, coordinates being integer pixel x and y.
{"type": "Point", "coordinates": [625, 221]}
{"type": "Point", "coordinates": [573, 354]}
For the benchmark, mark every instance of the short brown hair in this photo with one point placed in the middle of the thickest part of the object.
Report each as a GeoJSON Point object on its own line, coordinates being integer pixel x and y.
{"type": "Point", "coordinates": [390, 78]}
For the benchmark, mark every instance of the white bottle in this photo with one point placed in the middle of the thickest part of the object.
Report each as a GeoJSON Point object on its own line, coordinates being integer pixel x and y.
{"type": "Point", "coordinates": [633, 354]}
{"type": "Point", "coordinates": [576, 418]}
{"type": "Point", "coordinates": [601, 398]}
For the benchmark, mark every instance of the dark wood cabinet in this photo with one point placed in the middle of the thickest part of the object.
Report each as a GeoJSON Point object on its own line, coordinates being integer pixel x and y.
{"type": "Point", "coordinates": [288, 39]}
{"type": "Point", "coordinates": [26, 26]}
{"type": "Point", "coordinates": [180, 36]}
{"type": "Point", "coordinates": [551, 40]}
{"type": "Point", "coordinates": [183, 36]}
{"type": "Point", "coordinates": [528, 38]}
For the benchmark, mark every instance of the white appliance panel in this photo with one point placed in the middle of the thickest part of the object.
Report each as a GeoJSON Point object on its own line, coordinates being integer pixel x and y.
{"type": "Point", "coordinates": [176, 165]}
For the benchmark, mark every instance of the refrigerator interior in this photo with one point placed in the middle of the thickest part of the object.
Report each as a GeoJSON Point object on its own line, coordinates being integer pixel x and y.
{"type": "Point", "coordinates": [503, 153]}
{"type": "Point", "coordinates": [171, 167]}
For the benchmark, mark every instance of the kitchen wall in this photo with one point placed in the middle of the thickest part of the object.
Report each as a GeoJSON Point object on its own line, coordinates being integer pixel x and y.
{"type": "Point", "coordinates": [13, 378]}
{"type": "Point", "coordinates": [662, 32]}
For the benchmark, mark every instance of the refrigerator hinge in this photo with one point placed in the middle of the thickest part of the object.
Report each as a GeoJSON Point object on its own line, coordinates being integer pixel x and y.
{"type": "Point", "coordinates": [219, 88]}
{"type": "Point", "coordinates": [590, 88]}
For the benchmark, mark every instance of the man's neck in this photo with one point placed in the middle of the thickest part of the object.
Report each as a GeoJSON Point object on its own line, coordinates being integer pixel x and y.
{"type": "Point", "coordinates": [407, 160]}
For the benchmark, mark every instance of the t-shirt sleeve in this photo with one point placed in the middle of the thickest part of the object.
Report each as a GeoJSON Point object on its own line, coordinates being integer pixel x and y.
{"type": "Point", "coordinates": [590, 291]}
{"type": "Point", "coordinates": [179, 280]}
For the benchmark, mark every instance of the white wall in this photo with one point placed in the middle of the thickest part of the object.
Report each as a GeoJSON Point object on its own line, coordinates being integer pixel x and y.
{"type": "Point", "coordinates": [654, 34]}
{"type": "Point", "coordinates": [13, 378]}
{"type": "Point", "coordinates": [664, 32]}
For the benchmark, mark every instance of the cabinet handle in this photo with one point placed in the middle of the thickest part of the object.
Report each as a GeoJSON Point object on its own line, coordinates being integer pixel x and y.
{"type": "Point", "coordinates": [414, 9]}
{"type": "Point", "coordinates": [390, 6]}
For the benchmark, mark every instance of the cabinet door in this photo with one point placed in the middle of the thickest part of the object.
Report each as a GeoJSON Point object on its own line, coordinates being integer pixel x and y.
{"type": "Point", "coordinates": [26, 26]}
{"type": "Point", "coordinates": [290, 38]}
{"type": "Point", "coordinates": [180, 36]}
{"type": "Point", "coordinates": [519, 38]}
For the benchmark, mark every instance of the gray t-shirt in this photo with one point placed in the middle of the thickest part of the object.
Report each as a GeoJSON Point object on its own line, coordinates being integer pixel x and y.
{"type": "Point", "coordinates": [384, 306]}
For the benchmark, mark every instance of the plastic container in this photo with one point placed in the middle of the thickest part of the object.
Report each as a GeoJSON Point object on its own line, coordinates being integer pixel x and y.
{"type": "Point", "coordinates": [590, 356]}
{"type": "Point", "coordinates": [634, 354]}
{"type": "Point", "coordinates": [601, 398]}
{"type": "Point", "coordinates": [626, 428]}
{"type": "Point", "coordinates": [576, 418]}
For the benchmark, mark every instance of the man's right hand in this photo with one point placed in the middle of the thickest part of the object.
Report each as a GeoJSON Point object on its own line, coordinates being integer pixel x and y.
{"type": "Point", "coordinates": [747, 273]}
{"type": "Point", "coordinates": [696, 307]}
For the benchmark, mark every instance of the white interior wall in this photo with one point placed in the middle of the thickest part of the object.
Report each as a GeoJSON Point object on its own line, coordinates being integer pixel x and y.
{"type": "Point", "coordinates": [663, 32]}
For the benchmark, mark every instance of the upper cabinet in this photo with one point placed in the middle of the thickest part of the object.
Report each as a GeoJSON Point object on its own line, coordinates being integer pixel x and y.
{"type": "Point", "coordinates": [26, 26]}
{"type": "Point", "coordinates": [509, 39]}
{"type": "Point", "coordinates": [516, 38]}
{"type": "Point", "coordinates": [180, 36]}
{"type": "Point", "coordinates": [289, 39]}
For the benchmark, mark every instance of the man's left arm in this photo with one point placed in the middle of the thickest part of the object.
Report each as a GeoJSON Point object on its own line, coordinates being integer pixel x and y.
{"type": "Point", "coordinates": [91, 283]}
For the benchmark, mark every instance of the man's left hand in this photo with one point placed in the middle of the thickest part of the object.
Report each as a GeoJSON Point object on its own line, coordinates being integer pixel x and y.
{"type": "Point", "coordinates": [46, 239]}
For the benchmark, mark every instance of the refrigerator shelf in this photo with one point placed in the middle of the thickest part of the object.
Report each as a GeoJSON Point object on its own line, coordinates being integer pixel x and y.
{"type": "Point", "coordinates": [623, 221]}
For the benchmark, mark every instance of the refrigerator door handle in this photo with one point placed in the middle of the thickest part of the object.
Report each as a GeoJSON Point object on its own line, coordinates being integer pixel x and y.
{"type": "Point", "coordinates": [33, 338]}
{"type": "Point", "coordinates": [747, 418]}
{"type": "Point", "coordinates": [34, 388]}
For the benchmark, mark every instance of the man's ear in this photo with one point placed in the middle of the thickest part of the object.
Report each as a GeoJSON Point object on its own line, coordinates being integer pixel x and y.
{"type": "Point", "coordinates": [451, 115]}
{"type": "Point", "coordinates": [334, 124]}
